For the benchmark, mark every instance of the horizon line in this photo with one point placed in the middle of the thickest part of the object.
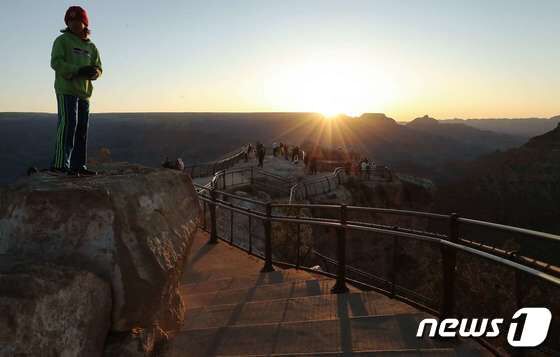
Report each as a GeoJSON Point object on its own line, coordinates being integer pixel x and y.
{"type": "Point", "coordinates": [291, 112]}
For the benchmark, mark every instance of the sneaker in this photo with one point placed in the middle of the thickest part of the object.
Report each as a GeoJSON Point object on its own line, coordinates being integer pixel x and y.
{"type": "Point", "coordinates": [73, 172]}
{"type": "Point", "coordinates": [32, 171]}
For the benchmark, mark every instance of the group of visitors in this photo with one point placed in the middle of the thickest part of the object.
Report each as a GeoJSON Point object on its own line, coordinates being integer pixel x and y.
{"type": "Point", "coordinates": [362, 167]}
{"type": "Point", "coordinates": [284, 150]}
{"type": "Point", "coordinates": [293, 153]}
{"type": "Point", "coordinates": [259, 151]}
{"type": "Point", "coordinates": [365, 167]}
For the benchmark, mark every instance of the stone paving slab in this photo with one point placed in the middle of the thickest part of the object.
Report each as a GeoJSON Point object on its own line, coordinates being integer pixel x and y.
{"type": "Point", "coordinates": [264, 292]}
{"type": "Point", "coordinates": [372, 333]}
{"type": "Point", "coordinates": [214, 283]}
{"type": "Point", "coordinates": [233, 309]}
{"type": "Point", "coordinates": [440, 352]}
{"type": "Point", "coordinates": [321, 307]}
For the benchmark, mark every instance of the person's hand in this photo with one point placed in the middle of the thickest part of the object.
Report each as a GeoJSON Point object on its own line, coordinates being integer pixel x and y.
{"type": "Point", "coordinates": [89, 72]}
{"type": "Point", "coordinates": [96, 74]}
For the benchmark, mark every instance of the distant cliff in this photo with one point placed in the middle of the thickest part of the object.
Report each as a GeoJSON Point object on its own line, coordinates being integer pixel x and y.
{"type": "Point", "coordinates": [466, 134]}
{"type": "Point", "coordinates": [518, 187]}
{"type": "Point", "coordinates": [524, 127]}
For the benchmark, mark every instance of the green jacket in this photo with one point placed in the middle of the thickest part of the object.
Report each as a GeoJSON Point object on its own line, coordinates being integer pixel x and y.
{"type": "Point", "coordinates": [69, 54]}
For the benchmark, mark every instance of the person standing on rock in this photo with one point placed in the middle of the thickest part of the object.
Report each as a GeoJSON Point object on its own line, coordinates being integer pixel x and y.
{"type": "Point", "coordinates": [76, 63]}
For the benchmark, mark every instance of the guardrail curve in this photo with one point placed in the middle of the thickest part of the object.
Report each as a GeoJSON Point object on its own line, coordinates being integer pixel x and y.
{"type": "Point", "coordinates": [452, 243]}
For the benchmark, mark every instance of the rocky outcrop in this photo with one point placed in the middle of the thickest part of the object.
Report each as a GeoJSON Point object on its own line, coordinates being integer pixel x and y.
{"type": "Point", "coordinates": [53, 311]}
{"type": "Point", "coordinates": [425, 121]}
{"type": "Point", "coordinates": [132, 226]}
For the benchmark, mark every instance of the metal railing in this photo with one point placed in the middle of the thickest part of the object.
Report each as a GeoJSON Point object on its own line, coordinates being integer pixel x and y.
{"type": "Point", "coordinates": [227, 179]}
{"type": "Point", "coordinates": [211, 168]}
{"type": "Point", "coordinates": [451, 254]}
{"type": "Point", "coordinates": [305, 189]}
{"type": "Point", "coordinates": [325, 184]}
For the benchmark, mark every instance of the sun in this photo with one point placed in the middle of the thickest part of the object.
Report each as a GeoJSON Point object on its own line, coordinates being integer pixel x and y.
{"type": "Point", "coordinates": [331, 114]}
{"type": "Point", "coordinates": [328, 114]}
{"type": "Point", "coordinates": [330, 87]}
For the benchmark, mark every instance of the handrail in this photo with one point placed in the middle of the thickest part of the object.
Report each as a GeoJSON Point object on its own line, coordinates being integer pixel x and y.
{"type": "Point", "coordinates": [305, 205]}
{"type": "Point", "coordinates": [524, 231]}
{"type": "Point", "coordinates": [393, 231]}
{"type": "Point", "coordinates": [339, 176]}
{"type": "Point", "coordinates": [335, 175]}
{"type": "Point", "coordinates": [400, 212]}
{"type": "Point", "coordinates": [227, 160]}
{"type": "Point", "coordinates": [292, 192]}
{"type": "Point", "coordinates": [382, 230]}
{"type": "Point", "coordinates": [537, 234]}
{"type": "Point", "coordinates": [449, 244]}
{"type": "Point", "coordinates": [364, 225]}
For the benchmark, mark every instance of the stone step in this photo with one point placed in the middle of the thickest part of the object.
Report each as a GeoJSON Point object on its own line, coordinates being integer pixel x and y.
{"type": "Point", "coordinates": [218, 261]}
{"type": "Point", "coordinates": [286, 290]}
{"type": "Point", "coordinates": [372, 333]}
{"type": "Point", "coordinates": [436, 352]}
{"type": "Point", "coordinates": [321, 307]}
{"type": "Point", "coordinates": [216, 283]}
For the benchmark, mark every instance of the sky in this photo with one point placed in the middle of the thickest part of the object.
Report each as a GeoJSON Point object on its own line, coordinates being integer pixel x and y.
{"type": "Point", "coordinates": [445, 58]}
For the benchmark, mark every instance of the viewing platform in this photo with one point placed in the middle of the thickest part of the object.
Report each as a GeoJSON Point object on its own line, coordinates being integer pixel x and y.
{"type": "Point", "coordinates": [234, 309]}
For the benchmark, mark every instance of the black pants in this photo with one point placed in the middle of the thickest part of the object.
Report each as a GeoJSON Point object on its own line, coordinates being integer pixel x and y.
{"type": "Point", "coordinates": [70, 149]}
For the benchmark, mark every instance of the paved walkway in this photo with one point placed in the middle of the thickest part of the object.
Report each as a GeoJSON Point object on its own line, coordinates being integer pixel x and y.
{"type": "Point", "coordinates": [274, 165]}
{"type": "Point", "coordinates": [233, 309]}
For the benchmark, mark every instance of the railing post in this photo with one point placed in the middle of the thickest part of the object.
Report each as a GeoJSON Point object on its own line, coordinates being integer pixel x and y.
{"type": "Point", "coordinates": [518, 284]}
{"type": "Point", "coordinates": [298, 238]}
{"type": "Point", "coordinates": [268, 241]}
{"type": "Point", "coordinates": [395, 264]}
{"type": "Point", "coordinates": [231, 227]}
{"type": "Point", "coordinates": [204, 215]}
{"type": "Point", "coordinates": [340, 286]}
{"type": "Point", "coordinates": [449, 261]}
{"type": "Point", "coordinates": [250, 235]}
{"type": "Point", "coordinates": [213, 226]}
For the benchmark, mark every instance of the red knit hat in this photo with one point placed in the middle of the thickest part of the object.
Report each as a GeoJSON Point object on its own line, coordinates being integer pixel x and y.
{"type": "Point", "coordinates": [76, 12]}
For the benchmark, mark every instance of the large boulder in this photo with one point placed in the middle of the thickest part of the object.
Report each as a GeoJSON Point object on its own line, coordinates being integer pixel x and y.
{"type": "Point", "coordinates": [53, 311]}
{"type": "Point", "coordinates": [132, 226]}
